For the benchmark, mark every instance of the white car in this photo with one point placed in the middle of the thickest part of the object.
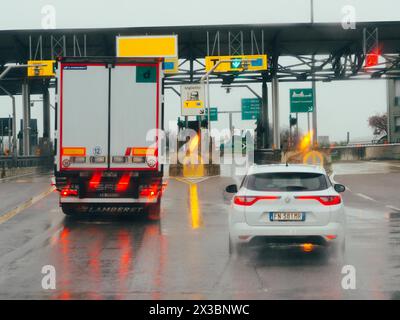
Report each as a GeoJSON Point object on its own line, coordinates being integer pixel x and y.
{"type": "Point", "coordinates": [287, 204]}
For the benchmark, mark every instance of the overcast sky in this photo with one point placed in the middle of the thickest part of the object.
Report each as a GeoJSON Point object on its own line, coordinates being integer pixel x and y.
{"type": "Point", "coordinates": [342, 106]}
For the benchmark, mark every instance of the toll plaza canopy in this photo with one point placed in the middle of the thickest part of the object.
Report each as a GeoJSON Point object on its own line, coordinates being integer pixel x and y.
{"type": "Point", "coordinates": [325, 51]}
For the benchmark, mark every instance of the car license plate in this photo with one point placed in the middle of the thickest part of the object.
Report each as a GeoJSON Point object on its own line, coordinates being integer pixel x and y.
{"type": "Point", "coordinates": [287, 216]}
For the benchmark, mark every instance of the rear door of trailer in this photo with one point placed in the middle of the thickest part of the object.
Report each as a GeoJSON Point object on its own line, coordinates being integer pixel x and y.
{"type": "Point", "coordinates": [84, 104]}
{"type": "Point", "coordinates": [108, 111]}
{"type": "Point", "coordinates": [135, 116]}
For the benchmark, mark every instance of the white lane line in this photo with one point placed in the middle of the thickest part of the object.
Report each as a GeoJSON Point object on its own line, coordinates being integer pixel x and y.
{"type": "Point", "coordinates": [10, 214]}
{"type": "Point", "coordinates": [393, 208]}
{"type": "Point", "coordinates": [365, 197]}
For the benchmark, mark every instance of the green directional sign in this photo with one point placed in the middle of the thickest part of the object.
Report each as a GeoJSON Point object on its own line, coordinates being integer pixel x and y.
{"type": "Point", "coordinates": [301, 100]}
{"type": "Point", "coordinates": [213, 115]}
{"type": "Point", "coordinates": [251, 108]}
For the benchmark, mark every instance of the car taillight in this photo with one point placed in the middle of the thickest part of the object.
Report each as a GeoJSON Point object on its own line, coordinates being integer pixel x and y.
{"type": "Point", "coordinates": [123, 183]}
{"type": "Point", "coordinates": [325, 200]}
{"type": "Point", "coordinates": [250, 200]}
{"type": "Point", "coordinates": [69, 192]}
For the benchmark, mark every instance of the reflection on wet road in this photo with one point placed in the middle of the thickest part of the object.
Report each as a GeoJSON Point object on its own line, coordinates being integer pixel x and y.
{"type": "Point", "coordinates": [185, 255]}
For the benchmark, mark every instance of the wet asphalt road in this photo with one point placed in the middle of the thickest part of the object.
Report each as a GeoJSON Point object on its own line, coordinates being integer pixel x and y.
{"type": "Point", "coordinates": [185, 255]}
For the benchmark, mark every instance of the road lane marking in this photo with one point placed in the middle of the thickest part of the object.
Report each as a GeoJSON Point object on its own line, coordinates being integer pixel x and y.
{"type": "Point", "coordinates": [12, 213]}
{"type": "Point", "coordinates": [191, 180]}
{"type": "Point", "coordinates": [194, 203]}
{"type": "Point", "coordinates": [365, 197]}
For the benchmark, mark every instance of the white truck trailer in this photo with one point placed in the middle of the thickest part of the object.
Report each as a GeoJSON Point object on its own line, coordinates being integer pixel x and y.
{"type": "Point", "coordinates": [108, 112]}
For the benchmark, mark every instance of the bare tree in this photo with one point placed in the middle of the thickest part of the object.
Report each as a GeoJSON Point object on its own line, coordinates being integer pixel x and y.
{"type": "Point", "coordinates": [378, 122]}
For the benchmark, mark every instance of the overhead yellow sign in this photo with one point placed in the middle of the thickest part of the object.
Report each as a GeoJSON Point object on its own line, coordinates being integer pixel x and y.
{"type": "Point", "coordinates": [147, 46]}
{"type": "Point", "coordinates": [237, 63]}
{"type": "Point", "coordinates": [41, 68]}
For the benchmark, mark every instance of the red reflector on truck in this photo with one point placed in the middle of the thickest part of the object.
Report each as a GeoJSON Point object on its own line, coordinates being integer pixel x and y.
{"type": "Point", "coordinates": [123, 183]}
{"type": "Point", "coordinates": [95, 180]}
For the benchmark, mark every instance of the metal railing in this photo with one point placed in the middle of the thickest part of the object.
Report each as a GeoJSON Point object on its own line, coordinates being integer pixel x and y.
{"type": "Point", "coordinates": [25, 162]}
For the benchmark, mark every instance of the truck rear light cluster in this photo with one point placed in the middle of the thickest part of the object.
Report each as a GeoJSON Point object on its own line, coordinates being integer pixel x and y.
{"type": "Point", "coordinates": [250, 200]}
{"type": "Point", "coordinates": [325, 200]}
{"type": "Point", "coordinates": [149, 191]}
{"type": "Point", "coordinates": [98, 159]}
{"type": "Point", "coordinates": [67, 192]}
{"type": "Point", "coordinates": [78, 159]}
{"type": "Point", "coordinates": [138, 159]}
{"type": "Point", "coordinates": [119, 159]}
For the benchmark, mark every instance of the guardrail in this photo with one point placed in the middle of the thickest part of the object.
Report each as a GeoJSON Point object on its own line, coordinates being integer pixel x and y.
{"type": "Point", "coordinates": [365, 152]}
{"type": "Point", "coordinates": [25, 162]}
{"type": "Point", "coordinates": [363, 145]}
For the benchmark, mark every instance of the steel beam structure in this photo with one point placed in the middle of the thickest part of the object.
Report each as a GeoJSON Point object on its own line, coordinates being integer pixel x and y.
{"type": "Point", "coordinates": [26, 118]}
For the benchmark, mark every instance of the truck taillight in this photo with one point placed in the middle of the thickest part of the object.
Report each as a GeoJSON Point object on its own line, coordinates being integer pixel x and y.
{"type": "Point", "coordinates": [138, 159]}
{"type": "Point", "coordinates": [67, 192]}
{"type": "Point", "coordinates": [98, 159]}
{"type": "Point", "coordinates": [149, 191]}
{"type": "Point", "coordinates": [119, 159]}
{"type": "Point", "coordinates": [78, 159]}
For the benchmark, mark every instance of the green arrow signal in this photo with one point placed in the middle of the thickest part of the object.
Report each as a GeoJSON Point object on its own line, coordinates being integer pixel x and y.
{"type": "Point", "coordinates": [236, 63]}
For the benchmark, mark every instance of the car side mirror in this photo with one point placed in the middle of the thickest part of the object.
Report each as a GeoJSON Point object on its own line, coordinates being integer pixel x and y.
{"type": "Point", "coordinates": [339, 188]}
{"type": "Point", "coordinates": [232, 188]}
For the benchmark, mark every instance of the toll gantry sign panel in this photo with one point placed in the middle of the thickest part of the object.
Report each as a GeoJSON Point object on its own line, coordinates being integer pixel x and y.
{"type": "Point", "coordinates": [147, 46]}
{"type": "Point", "coordinates": [237, 63]}
{"type": "Point", "coordinates": [41, 68]}
{"type": "Point", "coordinates": [301, 100]}
{"type": "Point", "coordinates": [192, 100]}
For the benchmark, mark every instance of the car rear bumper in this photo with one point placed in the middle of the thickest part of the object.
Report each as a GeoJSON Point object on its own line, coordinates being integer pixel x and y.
{"type": "Point", "coordinates": [243, 233]}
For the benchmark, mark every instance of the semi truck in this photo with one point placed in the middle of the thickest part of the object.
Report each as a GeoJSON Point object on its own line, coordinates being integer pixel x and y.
{"type": "Point", "coordinates": [108, 115]}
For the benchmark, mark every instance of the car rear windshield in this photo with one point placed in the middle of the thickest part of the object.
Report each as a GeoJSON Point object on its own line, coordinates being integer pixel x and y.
{"type": "Point", "coordinates": [286, 181]}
